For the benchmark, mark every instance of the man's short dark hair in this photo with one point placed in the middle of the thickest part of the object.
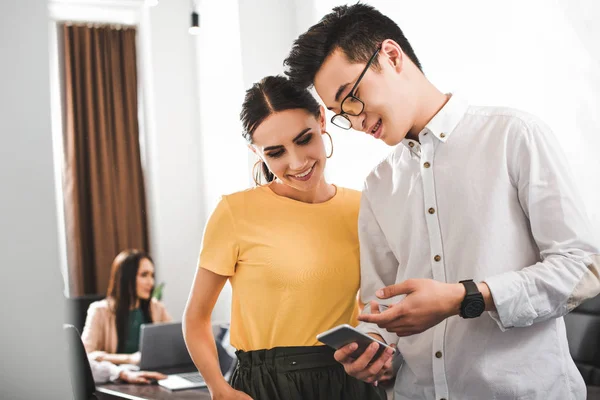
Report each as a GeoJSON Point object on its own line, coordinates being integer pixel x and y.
{"type": "Point", "coordinates": [357, 30]}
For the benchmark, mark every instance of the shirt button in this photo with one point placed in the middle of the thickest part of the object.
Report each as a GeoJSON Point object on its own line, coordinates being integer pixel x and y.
{"type": "Point", "coordinates": [427, 165]}
{"type": "Point", "coordinates": [437, 258]}
{"type": "Point", "coordinates": [431, 210]}
{"type": "Point", "coordinates": [442, 135]}
{"type": "Point", "coordinates": [411, 144]}
{"type": "Point", "coordinates": [438, 354]}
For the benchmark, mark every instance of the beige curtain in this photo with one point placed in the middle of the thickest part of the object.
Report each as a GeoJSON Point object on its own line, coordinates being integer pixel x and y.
{"type": "Point", "coordinates": [105, 205]}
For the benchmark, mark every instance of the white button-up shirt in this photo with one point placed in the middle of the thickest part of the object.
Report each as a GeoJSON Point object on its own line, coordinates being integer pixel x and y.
{"type": "Point", "coordinates": [484, 194]}
{"type": "Point", "coordinates": [104, 371]}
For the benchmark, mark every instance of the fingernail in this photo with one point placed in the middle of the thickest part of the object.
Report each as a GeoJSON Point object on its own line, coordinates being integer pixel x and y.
{"type": "Point", "coordinates": [353, 346]}
{"type": "Point", "coordinates": [379, 293]}
{"type": "Point", "coordinates": [390, 351]}
{"type": "Point", "coordinates": [375, 383]}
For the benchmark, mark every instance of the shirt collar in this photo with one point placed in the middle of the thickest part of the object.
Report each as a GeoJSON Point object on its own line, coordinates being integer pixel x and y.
{"type": "Point", "coordinates": [443, 123]}
{"type": "Point", "coordinates": [413, 145]}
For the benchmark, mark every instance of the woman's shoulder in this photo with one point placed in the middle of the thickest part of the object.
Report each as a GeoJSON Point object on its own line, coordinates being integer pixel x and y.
{"type": "Point", "coordinates": [245, 194]}
{"type": "Point", "coordinates": [155, 301]}
{"type": "Point", "coordinates": [159, 311]}
{"type": "Point", "coordinates": [157, 304]}
{"type": "Point", "coordinates": [244, 198]}
{"type": "Point", "coordinates": [100, 307]}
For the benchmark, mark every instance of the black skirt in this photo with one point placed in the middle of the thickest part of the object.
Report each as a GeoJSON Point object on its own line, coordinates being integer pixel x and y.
{"type": "Point", "coordinates": [303, 373]}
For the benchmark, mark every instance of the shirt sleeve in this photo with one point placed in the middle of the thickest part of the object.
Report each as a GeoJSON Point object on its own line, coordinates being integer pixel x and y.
{"type": "Point", "coordinates": [92, 330]}
{"type": "Point", "coordinates": [220, 249]}
{"type": "Point", "coordinates": [378, 266]}
{"type": "Point", "coordinates": [568, 270]}
{"type": "Point", "coordinates": [104, 371]}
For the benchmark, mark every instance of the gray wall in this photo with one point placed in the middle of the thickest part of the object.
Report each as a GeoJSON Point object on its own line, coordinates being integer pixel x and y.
{"type": "Point", "coordinates": [33, 365]}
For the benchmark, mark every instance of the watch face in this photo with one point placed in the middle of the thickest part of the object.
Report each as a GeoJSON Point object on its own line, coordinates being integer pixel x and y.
{"type": "Point", "coordinates": [473, 308]}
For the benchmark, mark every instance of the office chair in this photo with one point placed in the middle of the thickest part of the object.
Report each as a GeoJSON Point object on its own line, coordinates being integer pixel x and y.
{"type": "Point", "coordinates": [82, 380]}
{"type": "Point", "coordinates": [583, 334]}
{"type": "Point", "coordinates": [77, 309]}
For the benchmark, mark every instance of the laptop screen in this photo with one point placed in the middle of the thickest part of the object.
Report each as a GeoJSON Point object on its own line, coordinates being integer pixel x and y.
{"type": "Point", "coordinates": [162, 346]}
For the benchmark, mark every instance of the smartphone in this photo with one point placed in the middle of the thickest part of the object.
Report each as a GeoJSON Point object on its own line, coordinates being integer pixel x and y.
{"type": "Point", "coordinates": [345, 334]}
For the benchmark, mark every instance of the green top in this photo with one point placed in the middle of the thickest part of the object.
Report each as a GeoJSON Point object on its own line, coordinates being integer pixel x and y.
{"type": "Point", "coordinates": [136, 319]}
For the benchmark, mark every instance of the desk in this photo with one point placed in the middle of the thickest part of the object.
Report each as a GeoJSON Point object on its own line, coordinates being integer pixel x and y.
{"type": "Point", "coordinates": [148, 392]}
{"type": "Point", "coordinates": [131, 391]}
{"type": "Point", "coordinates": [155, 392]}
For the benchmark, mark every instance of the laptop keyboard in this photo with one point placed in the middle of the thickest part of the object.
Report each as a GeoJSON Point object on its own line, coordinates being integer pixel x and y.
{"type": "Point", "coordinates": [193, 377]}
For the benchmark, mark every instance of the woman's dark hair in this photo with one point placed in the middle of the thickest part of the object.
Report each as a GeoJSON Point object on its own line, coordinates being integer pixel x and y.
{"type": "Point", "coordinates": [122, 290]}
{"type": "Point", "coordinates": [271, 95]}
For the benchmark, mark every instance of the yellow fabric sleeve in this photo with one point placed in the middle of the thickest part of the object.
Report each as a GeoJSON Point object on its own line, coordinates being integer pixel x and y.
{"type": "Point", "coordinates": [220, 248]}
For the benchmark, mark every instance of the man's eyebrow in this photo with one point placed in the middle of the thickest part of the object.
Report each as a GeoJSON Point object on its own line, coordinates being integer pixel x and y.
{"type": "Point", "coordinates": [340, 91]}
{"type": "Point", "coordinates": [338, 94]}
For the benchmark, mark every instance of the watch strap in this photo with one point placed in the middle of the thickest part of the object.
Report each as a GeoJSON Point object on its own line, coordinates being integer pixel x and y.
{"type": "Point", "coordinates": [470, 286]}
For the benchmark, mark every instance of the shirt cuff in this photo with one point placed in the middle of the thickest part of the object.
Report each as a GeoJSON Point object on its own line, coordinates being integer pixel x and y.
{"type": "Point", "coordinates": [388, 337]}
{"type": "Point", "coordinates": [115, 370]}
{"type": "Point", "coordinates": [512, 301]}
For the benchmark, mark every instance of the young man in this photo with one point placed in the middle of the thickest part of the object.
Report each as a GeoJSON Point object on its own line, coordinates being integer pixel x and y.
{"type": "Point", "coordinates": [474, 210]}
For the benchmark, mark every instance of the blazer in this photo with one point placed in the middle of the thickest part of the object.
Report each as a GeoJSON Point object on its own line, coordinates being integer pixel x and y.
{"type": "Point", "coordinates": [100, 330]}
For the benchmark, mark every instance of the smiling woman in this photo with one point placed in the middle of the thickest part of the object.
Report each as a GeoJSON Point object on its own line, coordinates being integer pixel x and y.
{"type": "Point", "coordinates": [290, 250]}
{"type": "Point", "coordinates": [284, 127]}
{"type": "Point", "coordinates": [112, 327]}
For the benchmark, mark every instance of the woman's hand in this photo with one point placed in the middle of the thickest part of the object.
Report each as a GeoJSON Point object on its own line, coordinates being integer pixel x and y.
{"type": "Point", "coordinates": [230, 393]}
{"type": "Point", "coordinates": [387, 373]}
{"type": "Point", "coordinates": [140, 376]}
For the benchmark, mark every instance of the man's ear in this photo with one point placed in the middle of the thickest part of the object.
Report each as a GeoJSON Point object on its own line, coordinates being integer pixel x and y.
{"type": "Point", "coordinates": [322, 122]}
{"type": "Point", "coordinates": [393, 54]}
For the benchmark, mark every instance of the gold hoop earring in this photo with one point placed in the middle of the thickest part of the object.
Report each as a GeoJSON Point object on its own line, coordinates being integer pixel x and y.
{"type": "Point", "coordinates": [331, 140]}
{"type": "Point", "coordinates": [256, 174]}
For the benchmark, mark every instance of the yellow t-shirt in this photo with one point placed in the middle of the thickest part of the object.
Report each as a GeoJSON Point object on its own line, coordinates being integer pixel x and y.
{"type": "Point", "coordinates": [293, 266]}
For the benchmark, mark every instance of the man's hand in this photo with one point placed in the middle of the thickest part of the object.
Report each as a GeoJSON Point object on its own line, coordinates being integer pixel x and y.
{"type": "Point", "coordinates": [140, 376]}
{"type": "Point", "coordinates": [364, 367]}
{"type": "Point", "coordinates": [427, 303]}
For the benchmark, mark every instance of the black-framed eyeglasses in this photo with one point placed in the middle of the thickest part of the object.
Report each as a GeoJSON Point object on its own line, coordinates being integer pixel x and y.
{"type": "Point", "coordinates": [352, 105]}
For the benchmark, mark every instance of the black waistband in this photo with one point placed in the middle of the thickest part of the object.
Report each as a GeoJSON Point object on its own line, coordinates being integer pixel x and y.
{"type": "Point", "coordinates": [288, 358]}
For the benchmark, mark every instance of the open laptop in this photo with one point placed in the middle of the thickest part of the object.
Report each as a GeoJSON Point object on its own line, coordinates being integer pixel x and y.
{"type": "Point", "coordinates": [163, 349]}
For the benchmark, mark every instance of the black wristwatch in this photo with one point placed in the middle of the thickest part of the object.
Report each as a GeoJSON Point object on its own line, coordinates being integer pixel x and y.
{"type": "Point", "coordinates": [473, 304]}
